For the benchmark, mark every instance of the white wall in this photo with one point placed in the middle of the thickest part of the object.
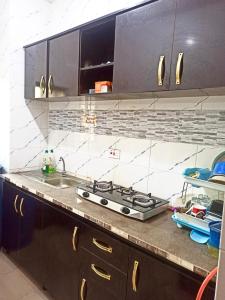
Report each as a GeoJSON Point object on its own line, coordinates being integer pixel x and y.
{"type": "Point", "coordinates": [4, 83]}
{"type": "Point", "coordinates": [28, 21]}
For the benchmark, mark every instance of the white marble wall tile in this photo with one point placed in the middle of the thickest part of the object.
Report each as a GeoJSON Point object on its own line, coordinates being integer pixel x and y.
{"type": "Point", "coordinates": [165, 185]}
{"type": "Point", "coordinates": [180, 103]}
{"type": "Point", "coordinates": [26, 159]}
{"type": "Point", "coordinates": [132, 175]}
{"type": "Point", "coordinates": [214, 103]}
{"type": "Point", "coordinates": [134, 151]}
{"type": "Point", "coordinates": [168, 156]}
{"type": "Point", "coordinates": [206, 155]}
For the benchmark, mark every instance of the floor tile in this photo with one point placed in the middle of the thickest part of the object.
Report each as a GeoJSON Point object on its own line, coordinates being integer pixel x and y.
{"type": "Point", "coordinates": [15, 285]}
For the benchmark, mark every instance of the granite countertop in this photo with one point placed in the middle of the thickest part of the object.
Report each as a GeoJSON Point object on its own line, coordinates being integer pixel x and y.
{"type": "Point", "coordinates": [159, 234]}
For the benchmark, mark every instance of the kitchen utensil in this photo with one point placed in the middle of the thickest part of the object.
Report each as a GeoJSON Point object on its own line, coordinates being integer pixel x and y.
{"type": "Point", "coordinates": [216, 208]}
{"type": "Point", "coordinates": [218, 173]}
{"type": "Point", "coordinates": [220, 157]}
{"type": "Point", "coordinates": [199, 237]}
{"type": "Point", "coordinates": [197, 209]}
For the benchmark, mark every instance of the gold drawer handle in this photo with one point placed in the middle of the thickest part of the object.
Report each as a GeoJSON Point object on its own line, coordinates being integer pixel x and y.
{"type": "Point", "coordinates": [21, 207]}
{"type": "Point", "coordinates": [102, 247]}
{"type": "Point", "coordinates": [50, 84]}
{"type": "Point", "coordinates": [99, 273]}
{"type": "Point", "coordinates": [82, 287]}
{"type": "Point", "coordinates": [161, 70]}
{"type": "Point", "coordinates": [15, 202]}
{"type": "Point", "coordinates": [42, 84]}
{"type": "Point", "coordinates": [134, 276]}
{"type": "Point", "coordinates": [179, 68]}
{"type": "Point", "coordinates": [74, 238]}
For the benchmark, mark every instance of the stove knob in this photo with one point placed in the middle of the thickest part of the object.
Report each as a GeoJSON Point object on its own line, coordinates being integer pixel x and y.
{"type": "Point", "coordinates": [104, 201]}
{"type": "Point", "coordinates": [85, 194]}
{"type": "Point", "coordinates": [125, 210]}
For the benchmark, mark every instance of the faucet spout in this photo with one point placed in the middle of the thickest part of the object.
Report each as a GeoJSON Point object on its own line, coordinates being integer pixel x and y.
{"type": "Point", "coordinates": [64, 165]}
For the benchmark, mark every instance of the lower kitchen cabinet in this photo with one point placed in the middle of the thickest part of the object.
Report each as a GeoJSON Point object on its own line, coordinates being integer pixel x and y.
{"type": "Point", "coordinates": [150, 278]}
{"type": "Point", "coordinates": [75, 260]}
{"type": "Point", "coordinates": [61, 253]}
{"type": "Point", "coordinates": [10, 221]}
{"type": "Point", "coordinates": [100, 280]}
{"type": "Point", "coordinates": [22, 230]}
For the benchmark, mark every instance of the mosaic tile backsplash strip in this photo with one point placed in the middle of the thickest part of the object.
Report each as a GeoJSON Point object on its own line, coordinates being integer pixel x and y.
{"type": "Point", "coordinates": [190, 126]}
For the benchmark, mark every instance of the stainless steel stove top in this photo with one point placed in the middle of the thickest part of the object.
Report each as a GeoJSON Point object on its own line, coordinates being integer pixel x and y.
{"type": "Point", "coordinates": [123, 200]}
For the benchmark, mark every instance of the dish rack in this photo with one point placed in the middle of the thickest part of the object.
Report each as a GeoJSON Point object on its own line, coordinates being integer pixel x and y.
{"type": "Point", "coordinates": [185, 220]}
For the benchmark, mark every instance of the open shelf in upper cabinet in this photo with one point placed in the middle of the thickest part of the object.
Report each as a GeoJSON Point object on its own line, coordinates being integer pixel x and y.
{"type": "Point", "coordinates": [97, 54]}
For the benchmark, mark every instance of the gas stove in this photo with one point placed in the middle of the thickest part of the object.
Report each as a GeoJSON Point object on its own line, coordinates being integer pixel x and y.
{"type": "Point", "coordinates": [126, 201]}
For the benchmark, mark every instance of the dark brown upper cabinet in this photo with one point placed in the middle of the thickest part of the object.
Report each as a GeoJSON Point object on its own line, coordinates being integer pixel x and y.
{"type": "Point", "coordinates": [143, 47]}
{"type": "Point", "coordinates": [63, 65]}
{"type": "Point", "coordinates": [97, 54]}
{"type": "Point", "coordinates": [51, 68]}
{"type": "Point", "coordinates": [36, 71]}
{"type": "Point", "coordinates": [199, 45]}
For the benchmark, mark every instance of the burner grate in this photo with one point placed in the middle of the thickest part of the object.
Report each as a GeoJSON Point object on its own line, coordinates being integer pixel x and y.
{"type": "Point", "coordinates": [143, 200]}
{"type": "Point", "coordinates": [126, 191]}
{"type": "Point", "coordinates": [102, 186]}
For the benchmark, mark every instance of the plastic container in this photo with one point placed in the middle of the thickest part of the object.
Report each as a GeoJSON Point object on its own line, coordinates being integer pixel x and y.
{"type": "Point", "coordinates": [52, 162]}
{"type": "Point", "coordinates": [45, 162]}
{"type": "Point", "coordinates": [214, 241]}
{"type": "Point", "coordinates": [215, 231]}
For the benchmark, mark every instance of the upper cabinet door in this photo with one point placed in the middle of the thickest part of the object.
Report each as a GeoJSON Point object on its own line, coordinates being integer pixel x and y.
{"type": "Point", "coordinates": [35, 71]}
{"type": "Point", "coordinates": [63, 65]}
{"type": "Point", "coordinates": [199, 45]}
{"type": "Point", "coordinates": [143, 46]}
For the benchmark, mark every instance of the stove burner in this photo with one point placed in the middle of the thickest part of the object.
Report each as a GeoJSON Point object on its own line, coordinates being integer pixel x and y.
{"type": "Point", "coordinates": [102, 186]}
{"type": "Point", "coordinates": [142, 200]}
{"type": "Point", "coordinates": [126, 191]}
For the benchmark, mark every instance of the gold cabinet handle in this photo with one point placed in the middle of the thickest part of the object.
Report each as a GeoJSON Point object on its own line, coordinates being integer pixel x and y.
{"type": "Point", "coordinates": [42, 84]}
{"type": "Point", "coordinates": [82, 287]}
{"type": "Point", "coordinates": [99, 273]}
{"type": "Point", "coordinates": [161, 70]}
{"type": "Point", "coordinates": [21, 207]}
{"type": "Point", "coordinates": [101, 246]}
{"type": "Point", "coordinates": [74, 238]}
{"type": "Point", "coordinates": [50, 84]}
{"type": "Point", "coordinates": [15, 202]}
{"type": "Point", "coordinates": [178, 67]}
{"type": "Point", "coordinates": [134, 276]}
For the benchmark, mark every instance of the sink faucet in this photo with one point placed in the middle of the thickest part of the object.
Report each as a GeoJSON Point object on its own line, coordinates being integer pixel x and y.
{"type": "Point", "coordinates": [64, 167]}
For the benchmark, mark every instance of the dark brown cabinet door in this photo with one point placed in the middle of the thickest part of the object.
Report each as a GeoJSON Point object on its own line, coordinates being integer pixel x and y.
{"type": "Point", "coordinates": [10, 221]}
{"type": "Point", "coordinates": [100, 280]}
{"type": "Point", "coordinates": [22, 228]}
{"type": "Point", "coordinates": [200, 36]}
{"type": "Point", "coordinates": [61, 253]}
{"type": "Point", "coordinates": [143, 46]}
{"type": "Point", "coordinates": [150, 278]}
{"type": "Point", "coordinates": [30, 252]}
{"type": "Point", "coordinates": [35, 71]}
{"type": "Point", "coordinates": [63, 65]}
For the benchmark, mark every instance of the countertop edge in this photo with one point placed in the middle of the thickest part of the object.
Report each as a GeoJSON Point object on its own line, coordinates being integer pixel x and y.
{"type": "Point", "coordinates": [136, 241]}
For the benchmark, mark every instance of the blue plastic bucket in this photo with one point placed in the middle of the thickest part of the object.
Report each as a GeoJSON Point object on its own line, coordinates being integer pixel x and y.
{"type": "Point", "coordinates": [215, 231]}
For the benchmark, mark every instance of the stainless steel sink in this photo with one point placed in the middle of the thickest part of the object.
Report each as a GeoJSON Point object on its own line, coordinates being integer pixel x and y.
{"type": "Point", "coordinates": [56, 180]}
{"type": "Point", "coordinates": [61, 182]}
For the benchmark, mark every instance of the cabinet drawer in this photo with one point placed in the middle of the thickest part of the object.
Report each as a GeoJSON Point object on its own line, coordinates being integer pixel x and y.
{"type": "Point", "coordinates": [102, 277]}
{"type": "Point", "coordinates": [105, 247]}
